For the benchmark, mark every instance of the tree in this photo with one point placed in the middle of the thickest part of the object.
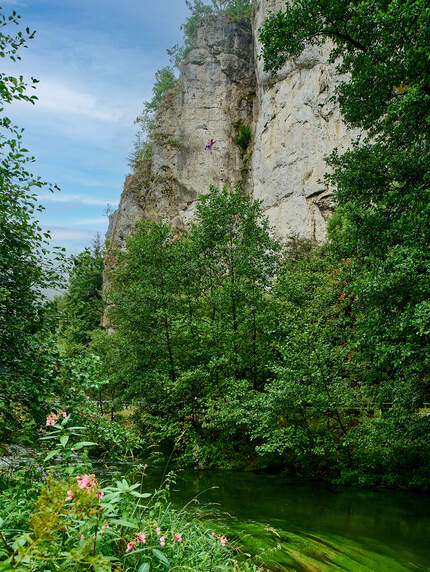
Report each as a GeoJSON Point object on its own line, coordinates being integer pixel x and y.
{"type": "Point", "coordinates": [25, 270]}
{"type": "Point", "coordinates": [192, 316]}
{"type": "Point", "coordinates": [237, 260]}
{"type": "Point", "coordinates": [380, 228]}
{"type": "Point", "coordinates": [82, 305]}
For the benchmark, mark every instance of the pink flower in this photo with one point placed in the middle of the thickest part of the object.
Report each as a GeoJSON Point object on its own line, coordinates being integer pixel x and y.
{"type": "Point", "coordinates": [51, 419]}
{"type": "Point", "coordinates": [179, 537]}
{"type": "Point", "coordinates": [162, 541]}
{"type": "Point", "coordinates": [69, 496]}
{"type": "Point", "coordinates": [158, 530]}
{"type": "Point", "coordinates": [104, 527]}
{"type": "Point", "coordinates": [82, 481]}
{"type": "Point", "coordinates": [100, 494]}
{"type": "Point", "coordinates": [141, 537]}
{"type": "Point", "coordinates": [213, 534]}
{"type": "Point", "coordinates": [64, 414]}
{"type": "Point", "coordinates": [223, 540]}
{"type": "Point", "coordinates": [130, 546]}
{"type": "Point", "coordinates": [89, 482]}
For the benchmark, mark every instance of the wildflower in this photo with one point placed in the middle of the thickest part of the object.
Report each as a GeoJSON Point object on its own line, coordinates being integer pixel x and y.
{"type": "Point", "coordinates": [130, 546]}
{"type": "Point", "coordinates": [63, 414]}
{"type": "Point", "coordinates": [158, 530]}
{"type": "Point", "coordinates": [88, 482]}
{"type": "Point", "coordinates": [100, 494]}
{"type": "Point", "coordinates": [83, 537]}
{"type": "Point", "coordinates": [51, 419]}
{"type": "Point", "coordinates": [162, 541]}
{"type": "Point", "coordinates": [82, 481]}
{"type": "Point", "coordinates": [213, 534]}
{"type": "Point", "coordinates": [141, 537]}
{"type": "Point", "coordinates": [69, 496]}
{"type": "Point", "coordinates": [223, 540]}
{"type": "Point", "coordinates": [104, 527]}
{"type": "Point", "coordinates": [179, 537]}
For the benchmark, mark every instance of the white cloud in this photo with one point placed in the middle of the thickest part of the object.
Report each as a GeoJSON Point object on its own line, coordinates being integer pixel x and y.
{"type": "Point", "coordinates": [77, 199]}
{"type": "Point", "coordinates": [59, 98]}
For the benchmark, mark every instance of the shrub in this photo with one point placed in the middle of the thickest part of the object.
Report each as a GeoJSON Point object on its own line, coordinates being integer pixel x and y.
{"type": "Point", "coordinates": [77, 524]}
{"type": "Point", "coordinates": [243, 136]}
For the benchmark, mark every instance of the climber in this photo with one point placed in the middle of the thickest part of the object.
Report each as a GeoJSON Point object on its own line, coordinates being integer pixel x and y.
{"type": "Point", "coordinates": [210, 144]}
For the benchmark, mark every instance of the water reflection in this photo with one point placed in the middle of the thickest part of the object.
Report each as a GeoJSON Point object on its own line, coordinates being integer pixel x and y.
{"type": "Point", "coordinates": [317, 527]}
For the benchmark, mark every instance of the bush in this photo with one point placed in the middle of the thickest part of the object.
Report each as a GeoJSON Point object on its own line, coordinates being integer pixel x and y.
{"type": "Point", "coordinates": [243, 136]}
{"type": "Point", "coordinates": [77, 524]}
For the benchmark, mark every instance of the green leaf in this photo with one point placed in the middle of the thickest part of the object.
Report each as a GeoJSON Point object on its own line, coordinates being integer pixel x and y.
{"type": "Point", "coordinates": [83, 444]}
{"type": "Point", "coordinates": [64, 439]}
{"type": "Point", "coordinates": [52, 436]}
{"type": "Point", "coordinates": [161, 557]}
{"type": "Point", "coordinates": [122, 522]}
{"type": "Point", "coordinates": [144, 567]}
{"type": "Point", "coordinates": [51, 454]}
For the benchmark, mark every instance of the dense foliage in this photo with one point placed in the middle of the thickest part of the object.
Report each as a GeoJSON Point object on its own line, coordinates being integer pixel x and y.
{"type": "Point", "coordinates": [381, 225]}
{"type": "Point", "coordinates": [73, 521]}
{"type": "Point", "coordinates": [192, 319]}
{"type": "Point", "coordinates": [27, 357]}
{"type": "Point", "coordinates": [238, 355]}
{"type": "Point", "coordinates": [81, 307]}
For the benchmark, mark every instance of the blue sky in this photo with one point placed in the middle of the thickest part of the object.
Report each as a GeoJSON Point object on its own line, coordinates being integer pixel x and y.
{"type": "Point", "coordinates": [95, 60]}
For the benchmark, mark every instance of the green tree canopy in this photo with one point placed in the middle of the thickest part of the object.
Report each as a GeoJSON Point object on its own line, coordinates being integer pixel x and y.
{"type": "Point", "coordinates": [25, 267]}
{"type": "Point", "coordinates": [381, 226]}
{"type": "Point", "coordinates": [82, 305]}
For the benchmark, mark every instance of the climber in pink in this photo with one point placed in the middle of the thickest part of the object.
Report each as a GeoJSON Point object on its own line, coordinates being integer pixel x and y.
{"type": "Point", "coordinates": [210, 144]}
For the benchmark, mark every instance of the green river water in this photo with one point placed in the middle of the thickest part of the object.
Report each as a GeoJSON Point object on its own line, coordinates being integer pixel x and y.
{"type": "Point", "coordinates": [309, 526]}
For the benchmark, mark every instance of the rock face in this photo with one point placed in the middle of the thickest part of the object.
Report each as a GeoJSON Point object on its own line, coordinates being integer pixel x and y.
{"type": "Point", "coordinates": [222, 87]}
{"type": "Point", "coordinates": [296, 126]}
{"type": "Point", "coordinates": [213, 98]}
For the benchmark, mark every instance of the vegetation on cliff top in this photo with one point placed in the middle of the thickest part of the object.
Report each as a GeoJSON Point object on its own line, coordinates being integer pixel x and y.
{"type": "Point", "coordinates": [165, 78]}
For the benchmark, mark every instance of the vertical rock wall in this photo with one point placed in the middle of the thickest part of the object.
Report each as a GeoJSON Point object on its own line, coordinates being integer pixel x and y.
{"type": "Point", "coordinates": [296, 126]}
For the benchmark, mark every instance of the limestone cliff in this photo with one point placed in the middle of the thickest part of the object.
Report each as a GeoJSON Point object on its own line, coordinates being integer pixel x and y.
{"type": "Point", "coordinates": [213, 97]}
{"type": "Point", "coordinates": [222, 86]}
{"type": "Point", "coordinates": [296, 126]}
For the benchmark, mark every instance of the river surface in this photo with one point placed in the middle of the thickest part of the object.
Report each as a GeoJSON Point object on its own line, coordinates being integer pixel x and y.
{"type": "Point", "coordinates": [309, 526]}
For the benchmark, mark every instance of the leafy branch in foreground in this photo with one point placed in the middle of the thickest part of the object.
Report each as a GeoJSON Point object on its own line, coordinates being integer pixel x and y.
{"type": "Point", "coordinates": [27, 266]}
